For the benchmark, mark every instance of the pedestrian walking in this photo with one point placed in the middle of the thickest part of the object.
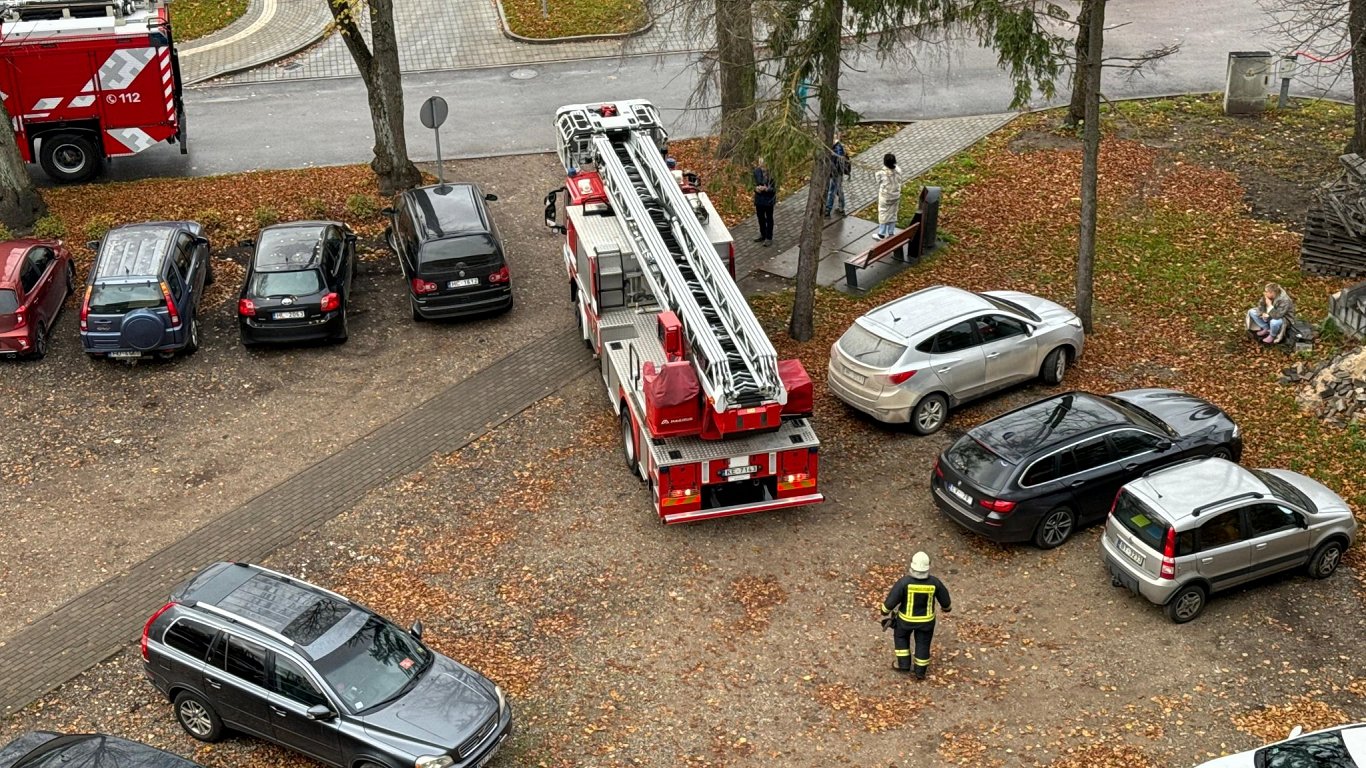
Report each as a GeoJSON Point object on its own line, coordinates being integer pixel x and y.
{"type": "Point", "coordinates": [888, 197]}
{"type": "Point", "coordinates": [765, 196]}
{"type": "Point", "coordinates": [910, 608]}
{"type": "Point", "coordinates": [840, 167]}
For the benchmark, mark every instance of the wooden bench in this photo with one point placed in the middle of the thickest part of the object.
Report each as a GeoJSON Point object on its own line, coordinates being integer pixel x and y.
{"type": "Point", "coordinates": [907, 246]}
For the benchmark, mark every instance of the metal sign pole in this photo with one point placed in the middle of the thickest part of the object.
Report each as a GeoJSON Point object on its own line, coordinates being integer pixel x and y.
{"type": "Point", "coordinates": [440, 167]}
{"type": "Point", "coordinates": [432, 115]}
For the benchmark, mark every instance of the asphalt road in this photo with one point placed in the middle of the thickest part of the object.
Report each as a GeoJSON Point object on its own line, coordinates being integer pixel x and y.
{"type": "Point", "coordinates": [500, 111]}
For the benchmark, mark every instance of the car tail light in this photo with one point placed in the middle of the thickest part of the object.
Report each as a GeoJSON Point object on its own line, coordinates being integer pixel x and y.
{"type": "Point", "coordinates": [1169, 555]}
{"type": "Point", "coordinates": [900, 376]}
{"type": "Point", "coordinates": [85, 308]}
{"type": "Point", "coordinates": [937, 471]}
{"type": "Point", "coordinates": [1115, 502]}
{"type": "Point", "coordinates": [170, 304]}
{"type": "Point", "coordinates": [246, 308]}
{"type": "Point", "coordinates": [501, 276]}
{"type": "Point", "coordinates": [998, 506]}
{"type": "Point", "coordinates": [331, 302]}
{"type": "Point", "coordinates": [421, 286]}
{"type": "Point", "coordinates": [20, 318]}
{"type": "Point", "coordinates": [730, 258]}
{"type": "Point", "coordinates": [147, 628]}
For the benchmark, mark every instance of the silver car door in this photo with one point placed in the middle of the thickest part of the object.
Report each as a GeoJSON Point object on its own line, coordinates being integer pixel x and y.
{"type": "Point", "coordinates": [1010, 351]}
{"type": "Point", "coordinates": [1278, 539]}
{"type": "Point", "coordinates": [957, 359]}
{"type": "Point", "coordinates": [1223, 555]}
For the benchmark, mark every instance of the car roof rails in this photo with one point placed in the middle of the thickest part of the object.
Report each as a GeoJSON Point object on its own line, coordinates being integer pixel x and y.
{"type": "Point", "coordinates": [1237, 497]}
{"type": "Point", "coordinates": [234, 618]}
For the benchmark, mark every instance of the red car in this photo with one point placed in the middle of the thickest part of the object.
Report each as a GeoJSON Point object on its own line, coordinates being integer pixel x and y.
{"type": "Point", "coordinates": [36, 276]}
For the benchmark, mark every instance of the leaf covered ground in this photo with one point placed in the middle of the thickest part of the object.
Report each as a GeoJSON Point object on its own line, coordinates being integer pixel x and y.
{"type": "Point", "coordinates": [573, 18]}
{"type": "Point", "coordinates": [192, 19]}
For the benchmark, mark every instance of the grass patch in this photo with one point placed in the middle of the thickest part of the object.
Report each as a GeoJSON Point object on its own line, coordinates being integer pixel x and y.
{"type": "Point", "coordinates": [192, 19]}
{"type": "Point", "coordinates": [573, 18]}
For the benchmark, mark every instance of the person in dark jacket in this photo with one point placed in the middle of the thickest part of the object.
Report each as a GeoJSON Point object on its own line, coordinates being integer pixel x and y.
{"type": "Point", "coordinates": [1269, 317]}
{"type": "Point", "coordinates": [840, 167]}
{"type": "Point", "coordinates": [910, 605]}
{"type": "Point", "coordinates": [765, 196]}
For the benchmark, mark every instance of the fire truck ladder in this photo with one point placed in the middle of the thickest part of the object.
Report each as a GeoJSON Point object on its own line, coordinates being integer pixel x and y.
{"type": "Point", "coordinates": [736, 362]}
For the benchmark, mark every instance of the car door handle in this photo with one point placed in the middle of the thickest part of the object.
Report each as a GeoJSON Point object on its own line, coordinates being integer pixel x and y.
{"type": "Point", "coordinates": [1077, 483]}
{"type": "Point", "coordinates": [279, 712]}
{"type": "Point", "coordinates": [945, 369]}
{"type": "Point", "coordinates": [1206, 560]}
{"type": "Point", "coordinates": [1130, 467]}
{"type": "Point", "coordinates": [993, 355]}
{"type": "Point", "coordinates": [212, 683]}
{"type": "Point", "coordinates": [1260, 546]}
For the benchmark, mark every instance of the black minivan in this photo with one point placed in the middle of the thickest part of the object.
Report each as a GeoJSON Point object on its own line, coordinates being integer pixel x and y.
{"type": "Point", "coordinates": [450, 251]}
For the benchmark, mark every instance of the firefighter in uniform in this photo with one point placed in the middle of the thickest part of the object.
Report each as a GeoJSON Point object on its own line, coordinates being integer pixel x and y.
{"type": "Point", "coordinates": [910, 608]}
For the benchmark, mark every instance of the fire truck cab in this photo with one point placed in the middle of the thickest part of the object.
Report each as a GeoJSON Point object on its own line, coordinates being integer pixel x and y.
{"type": "Point", "coordinates": [87, 80]}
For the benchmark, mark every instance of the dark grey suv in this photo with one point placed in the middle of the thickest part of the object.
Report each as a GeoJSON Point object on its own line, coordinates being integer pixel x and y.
{"type": "Point", "coordinates": [256, 651]}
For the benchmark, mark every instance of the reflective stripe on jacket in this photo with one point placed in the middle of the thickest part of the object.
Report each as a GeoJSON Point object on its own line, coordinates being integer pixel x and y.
{"type": "Point", "coordinates": [913, 599]}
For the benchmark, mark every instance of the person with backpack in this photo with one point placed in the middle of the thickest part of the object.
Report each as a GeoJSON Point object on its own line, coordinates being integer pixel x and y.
{"type": "Point", "coordinates": [840, 167]}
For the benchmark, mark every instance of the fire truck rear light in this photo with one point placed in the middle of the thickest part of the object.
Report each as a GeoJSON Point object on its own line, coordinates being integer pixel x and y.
{"type": "Point", "coordinates": [421, 287]}
{"type": "Point", "coordinates": [796, 481]}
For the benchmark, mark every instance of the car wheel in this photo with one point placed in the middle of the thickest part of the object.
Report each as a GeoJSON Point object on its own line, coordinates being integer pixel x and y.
{"type": "Point", "coordinates": [344, 332]}
{"type": "Point", "coordinates": [208, 273]}
{"type": "Point", "coordinates": [1054, 366]}
{"type": "Point", "coordinates": [192, 345]}
{"type": "Point", "coordinates": [628, 441]}
{"type": "Point", "coordinates": [69, 157]}
{"type": "Point", "coordinates": [1186, 604]}
{"type": "Point", "coordinates": [197, 718]}
{"type": "Point", "coordinates": [929, 414]}
{"type": "Point", "coordinates": [417, 316]}
{"type": "Point", "coordinates": [1054, 528]}
{"type": "Point", "coordinates": [1221, 453]}
{"type": "Point", "coordinates": [1325, 560]}
{"type": "Point", "coordinates": [248, 341]}
{"type": "Point", "coordinates": [40, 343]}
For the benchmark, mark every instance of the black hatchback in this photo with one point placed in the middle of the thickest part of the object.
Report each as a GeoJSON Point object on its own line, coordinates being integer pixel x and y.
{"type": "Point", "coordinates": [298, 284]}
{"type": "Point", "coordinates": [1039, 472]}
{"type": "Point", "coordinates": [450, 250]}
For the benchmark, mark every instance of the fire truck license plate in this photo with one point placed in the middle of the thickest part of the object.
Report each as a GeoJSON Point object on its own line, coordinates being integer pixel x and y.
{"type": "Point", "coordinates": [734, 471]}
{"type": "Point", "coordinates": [295, 315]}
{"type": "Point", "coordinates": [463, 283]}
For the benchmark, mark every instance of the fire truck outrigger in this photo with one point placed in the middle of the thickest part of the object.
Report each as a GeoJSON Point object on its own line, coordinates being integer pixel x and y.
{"type": "Point", "coordinates": [710, 417]}
{"type": "Point", "coordinates": [85, 80]}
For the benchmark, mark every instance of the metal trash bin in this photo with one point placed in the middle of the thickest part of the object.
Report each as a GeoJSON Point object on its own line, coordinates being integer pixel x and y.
{"type": "Point", "coordinates": [1249, 82]}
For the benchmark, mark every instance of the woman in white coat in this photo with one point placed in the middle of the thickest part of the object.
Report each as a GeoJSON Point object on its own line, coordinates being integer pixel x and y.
{"type": "Point", "coordinates": [888, 196]}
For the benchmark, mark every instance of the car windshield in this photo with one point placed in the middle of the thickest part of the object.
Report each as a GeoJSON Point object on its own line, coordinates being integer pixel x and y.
{"type": "Point", "coordinates": [977, 463]}
{"type": "Point", "coordinates": [113, 299]}
{"type": "Point", "coordinates": [1285, 490]}
{"type": "Point", "coordinates": [1139, 415]}
{"type": "Point", "coordinates": [1139, 520]}
{"type": "Point", "coordinates": [8, 301]}
{"type": "Point", "coordinates": [869, 348]}
{"type": "Point", "coordinates": [473, 250]}
{"type": "Point", "coordinates": [275, 284]}
{"type": "Point", "coordinates": [377, 663]}
{"type": "Point", "coordinates": [1317, 750]}
{"type": "Point", "coordinates": [1010, 306]}
{"type": "Point", "coordinates": [288, 246]}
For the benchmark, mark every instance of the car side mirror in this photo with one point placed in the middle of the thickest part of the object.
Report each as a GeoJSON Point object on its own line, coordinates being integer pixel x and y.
{"type": "Point", "coordinates": [320, 712]}
{"type": "Point", "coordinates": [387, 211]}
{"type": "Point", "coordinates": [351, 237]}
{"type": "Point", "coordinates": [491, 197]}
{"type": "Point", "coordinates": [1164, 445]}
{"type": "Point", "coordinates": [200, 240]}
{"type": "Point", "coordinates": [1301, 522]}
{"type": "Point", "coordinates": [93, 245]}
{"type": "Point", "coordinates": [416, 630]}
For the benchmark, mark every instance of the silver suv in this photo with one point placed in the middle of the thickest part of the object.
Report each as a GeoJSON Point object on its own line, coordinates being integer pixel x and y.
{"type": "Point", "coordinates": [1179, 534]}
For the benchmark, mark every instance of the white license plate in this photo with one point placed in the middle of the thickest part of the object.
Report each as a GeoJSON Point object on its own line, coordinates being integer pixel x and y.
{"type": "Point", "coordinates": [125, 354]}
{"type": "Point", "coordinates": [746, 470]}
{"type": "Point", "coordinates": [489, 757]}
{"type": "Point", "coordinates": [851, 373]}
{"type": "Point", "coordinates": [294, 315]}
{"type": "Point", "coordinates": [1130, 552]}
{"type": "Point", "coordinates": [463, 283]}
{"type": "Point", "coordinates": [959, 494]}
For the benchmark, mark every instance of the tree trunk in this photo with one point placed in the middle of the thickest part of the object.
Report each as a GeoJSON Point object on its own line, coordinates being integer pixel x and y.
{"type": "Point", "coordinates": [1076, 110]}
{"type": "Point", "coordinates": [383, 87]}
{"type": "Point", "coordinates": [1356, 28]}
{"type": "Point", "coordinates": [20, 203]}
{"type": "Point", "coordinates": [735, 59]}
{"type": "Point", "coordinates": [802, 325]}
{"type": "Point", "coordinates": [1090, 159]}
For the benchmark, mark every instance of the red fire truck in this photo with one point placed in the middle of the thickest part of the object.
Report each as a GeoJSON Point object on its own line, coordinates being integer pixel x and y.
{"type": "Point", "coordinates": [85, 80]}
{"type": "Point", "coordinates": [710, 417]}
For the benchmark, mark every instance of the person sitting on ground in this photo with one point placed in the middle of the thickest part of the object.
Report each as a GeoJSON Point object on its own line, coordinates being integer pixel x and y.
{"type": "Point", "coordinates": [1269, 317]}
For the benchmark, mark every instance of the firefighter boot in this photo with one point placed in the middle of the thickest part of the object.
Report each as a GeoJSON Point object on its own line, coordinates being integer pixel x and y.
{"type": "Point", "coordinates": [921, 670]}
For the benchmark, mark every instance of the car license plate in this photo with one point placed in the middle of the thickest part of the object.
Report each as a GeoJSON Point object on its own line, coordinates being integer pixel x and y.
{"type": "Point", "coordinates": [489, 757]}
{"type": "Point", "coordinates": [856, 376]}
{"type": "Point", "coordinates": [959, 494]}
{"type": "Point", "coordinates": [125, 354]}
{"type": "Point", "coordinates": [1130, 552]}
{"type": "Point", "coordinates": [463, 283]}
{"type": "Point", "coordinates": [293, 315]}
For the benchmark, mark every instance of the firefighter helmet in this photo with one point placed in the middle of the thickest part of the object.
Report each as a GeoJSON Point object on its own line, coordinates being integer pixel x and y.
{"type": "Point", "coordinates": [920, 565]}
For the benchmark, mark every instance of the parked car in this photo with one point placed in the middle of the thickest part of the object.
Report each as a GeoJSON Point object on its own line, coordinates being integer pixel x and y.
{"type": "Point", "coordinates": [45, 749]}
{"type": "Point", "coordinates": [450, 251]}
{"type": "Point", "coordinates": [143, 294]}
{"type": "Point", "coordinates": [1039, 472]}
{"type": "Point", "coordinates": [36, 276]}
{"type": "Point", "coordinates": [912, 359]}
{"type": "Point", "coordinates": [256, 651]}
{"type": "Point", "coordinates": [1179, 534]}
{"type": "Point", "coordinates": [298, 284]}
{"type": "Point", "coordinates": [1340, 747]}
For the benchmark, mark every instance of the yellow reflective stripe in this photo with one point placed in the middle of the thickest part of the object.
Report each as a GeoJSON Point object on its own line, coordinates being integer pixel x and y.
{"type": "Point", "coordinates": [906, 652]}
{"type": "Point", "coordinates": [919, 589]}
{"type": "Point", "coordinates": [921, 662]}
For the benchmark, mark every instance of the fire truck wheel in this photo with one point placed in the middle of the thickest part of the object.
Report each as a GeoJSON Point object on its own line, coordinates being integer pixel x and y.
{"type": "Point", "coordinates": [628, 440]}
{"type": "Point", "coordinates": [69, 157]}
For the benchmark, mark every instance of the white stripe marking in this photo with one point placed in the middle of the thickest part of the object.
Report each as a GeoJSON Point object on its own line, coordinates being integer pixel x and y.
{"type": "Point", "coordinates": [48, 104]}
{"type": "Point", "coordinates": [267, 16]}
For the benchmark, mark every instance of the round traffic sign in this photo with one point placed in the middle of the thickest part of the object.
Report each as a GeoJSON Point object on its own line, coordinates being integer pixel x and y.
{"type": "Point", "coordinates": [433, 112]}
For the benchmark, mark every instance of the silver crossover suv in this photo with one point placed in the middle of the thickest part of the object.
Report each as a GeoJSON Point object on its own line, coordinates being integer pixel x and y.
{"type": "Point", "coordinates": [911, 359]}
{"type": "Point", "coordinates": [1178, 534]}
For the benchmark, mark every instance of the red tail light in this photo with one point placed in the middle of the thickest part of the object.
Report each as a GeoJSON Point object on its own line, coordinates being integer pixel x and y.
{"type": "Point", "coordinates": [421, 286]}
{"type": "Point", "coordinates": [1115, 502]}
{"type": "Point", "coordinates": [899, 377]}
{"type": "Point", "coordinates": [331, 302]}
{"type": "Point", "coordinates": [937, 471]}
{"type": "Point", "coordinates": [998, 506]}
{"type": "Point", "coordinates": [730, 258]}
{"type": "Point", "coordinates": [1169, 555]}
{"type": "Point", "coordinates": [501, 276]}
{"type": "Point", "coordinates": [246, 308]}
{"type": "Point", "coordinates": [20, 318]}
{"type": "Point", "coordinates": [170, 304]}
{"type": "Point", "coordinates": [85, 308]}
{"type": "Point", "coordinates": [146, 628]}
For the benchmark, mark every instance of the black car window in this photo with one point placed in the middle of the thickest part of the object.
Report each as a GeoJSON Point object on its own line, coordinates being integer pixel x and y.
{"type": "Point", "coordinates": [1269, 518]}
{"type": "Point", "coordinates": [1084, 457]}
{"type": "Point", "coordinates": [1041, 471]}
{"type": "Point", "coordinates": [190, 637]}
{"type": "Point", "coordinates": [1315, 750]}
{"type": "Point", "coordinates": [404, 226]}
{"type": "Point", "coordinates": [184, 250]}
{"type": "Point", "coordinates": [246, 661]}
{"type": "Point", "coordinates": [1140, 520]}
{"type": "Point", "coordinates": [869, 348]}
{"type": "Point", "coordinates": [996, 327]}
{"type": "Point", "coordinates": [375, 664]}
{"type": "Point", "coordinates": [293, 683]}
{"type": "Point", "coordinates": [174, 283]}
{"type": "Point", "coordinates": [332, 250]}
{"type": "Point", "coordinates": [1285, 490]}
{"type": "Point", "coordinates": [478, 250]}
{"type": "Point", "coordinates": [119, 298]}
{"type": "Point", "coordinates": [9, 302]}
{"type": "Point", "coordinates": [978, 463]}
{"type": "Point", "coordinates": [28, 276]}
{"type": "Point", "coordinates": [1131, 442]}
{"type": "Point", "coordinates": [40, 257]}
{"type": "Point", "coordinates": [954, 338]}
{"type": "Point", "coordinates": [276, 284]}
{"type": "Point", "coordinates": [1221, 530]}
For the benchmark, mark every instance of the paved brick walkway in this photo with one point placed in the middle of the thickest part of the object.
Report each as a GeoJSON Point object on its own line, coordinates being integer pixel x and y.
{"type": "Point", "coordinates": [269, 30]}
{"type": "Point", "coordinates": [918, 147]}
{"type": "Point", "coordinates": [100, 622]}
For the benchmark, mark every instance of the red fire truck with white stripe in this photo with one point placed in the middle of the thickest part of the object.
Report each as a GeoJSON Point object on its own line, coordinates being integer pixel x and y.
{"type": "Point", "coordinates": [710, 417]}
{"type": "Point", "coordinates": [85, 80]}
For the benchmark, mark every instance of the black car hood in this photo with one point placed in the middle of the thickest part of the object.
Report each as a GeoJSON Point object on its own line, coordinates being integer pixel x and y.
{"type": "Point", "coordinates": [1186, 414]}
{"type": "Point", "coordinates": [443, 709]}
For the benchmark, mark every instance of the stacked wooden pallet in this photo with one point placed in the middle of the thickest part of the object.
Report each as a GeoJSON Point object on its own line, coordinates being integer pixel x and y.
{"type": "Point", "coordinates": [1335, 226]}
